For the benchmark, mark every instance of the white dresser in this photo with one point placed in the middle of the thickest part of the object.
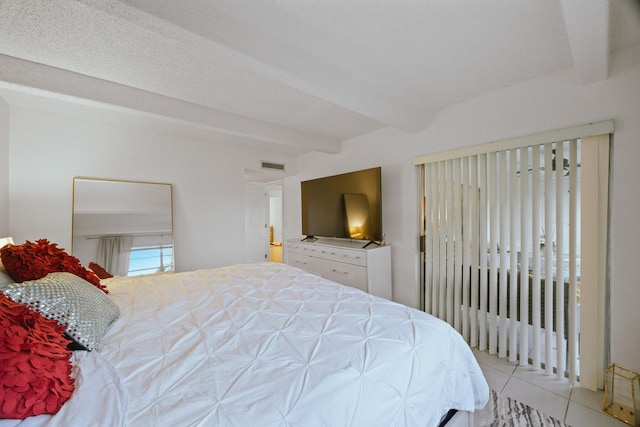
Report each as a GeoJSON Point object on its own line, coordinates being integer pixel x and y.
{"type": "Point", "coordinates": [344, 261]}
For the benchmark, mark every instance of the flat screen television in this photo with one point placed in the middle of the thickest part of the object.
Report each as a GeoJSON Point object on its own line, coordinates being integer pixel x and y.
{"type": "Point", "coordinates": [347, 206]}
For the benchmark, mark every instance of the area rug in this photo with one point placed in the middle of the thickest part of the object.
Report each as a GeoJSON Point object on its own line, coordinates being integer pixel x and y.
{"type": "Point", "coordinates": [502, 411]}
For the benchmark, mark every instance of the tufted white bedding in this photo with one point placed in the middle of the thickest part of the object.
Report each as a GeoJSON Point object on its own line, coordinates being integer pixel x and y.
{"type": "Point", "coordinates": [269, 345]}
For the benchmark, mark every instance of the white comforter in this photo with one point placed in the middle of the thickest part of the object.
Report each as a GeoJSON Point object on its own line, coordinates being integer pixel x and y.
{"type": "Point", "coordinates": [269, 345]}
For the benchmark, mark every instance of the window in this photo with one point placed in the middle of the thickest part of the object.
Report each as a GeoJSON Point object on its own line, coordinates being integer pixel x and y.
{"type": "Point", "coordinates": [150, 259]}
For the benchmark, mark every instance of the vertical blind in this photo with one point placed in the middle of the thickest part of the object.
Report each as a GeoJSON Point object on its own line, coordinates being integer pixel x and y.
{"type": "Point", "coordinates": [502, 252]}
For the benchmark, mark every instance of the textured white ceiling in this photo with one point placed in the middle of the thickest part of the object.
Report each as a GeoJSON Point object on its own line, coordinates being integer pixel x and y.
{"type": "Point", "coordinates": [302, 75]}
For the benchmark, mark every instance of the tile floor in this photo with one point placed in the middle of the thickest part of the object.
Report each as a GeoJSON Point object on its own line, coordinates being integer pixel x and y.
{"type": "Point", "coordinates": [576, 406]}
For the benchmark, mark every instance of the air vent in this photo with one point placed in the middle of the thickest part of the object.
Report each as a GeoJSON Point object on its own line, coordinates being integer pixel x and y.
{"type": "Point", "coordinates": [274, 166]}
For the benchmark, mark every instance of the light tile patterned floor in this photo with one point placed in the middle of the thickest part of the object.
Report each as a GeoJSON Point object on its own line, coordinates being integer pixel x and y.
{"type": "Point", "coordinates": [574, 405]}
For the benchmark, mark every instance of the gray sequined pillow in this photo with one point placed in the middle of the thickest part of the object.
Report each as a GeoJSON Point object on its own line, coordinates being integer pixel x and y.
{"type": "Point", "coordinates": [70, 300]}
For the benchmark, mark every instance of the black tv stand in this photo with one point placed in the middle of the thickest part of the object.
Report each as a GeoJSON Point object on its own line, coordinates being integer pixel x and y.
{"type": "Point", "coordinates": [309, 239]}
{"type": "Point", "coordinates": [371, 242]}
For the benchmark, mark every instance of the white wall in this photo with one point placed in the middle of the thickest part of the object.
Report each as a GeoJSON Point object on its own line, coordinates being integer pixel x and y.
{"type": "Point", "coordinates": [554, 101]}
{"type": "Point", "coordinates": [400, 208]}
{"type": "Point", "coordinates": [4, 169]}
{"type": "Point", "coordinates": [49, 148]}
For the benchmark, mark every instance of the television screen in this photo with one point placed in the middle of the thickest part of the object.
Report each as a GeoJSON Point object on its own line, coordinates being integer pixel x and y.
{"type": "Point", "coordinates": [348, 206]}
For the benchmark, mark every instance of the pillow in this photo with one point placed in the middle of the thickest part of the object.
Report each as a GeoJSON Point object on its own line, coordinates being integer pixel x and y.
{"type": "Point", "coordinates": [100, 272]}
{"type": "Point", "coordinates": [31, 261]}
{"type": "Point", "coordinates": [35, 370]}
{"type": "Point", "coordinates": [5, 278]}
{"type": "Point", "coordinates": [71, 301]}
{"type": "Point", "coordinates": [5, 241]}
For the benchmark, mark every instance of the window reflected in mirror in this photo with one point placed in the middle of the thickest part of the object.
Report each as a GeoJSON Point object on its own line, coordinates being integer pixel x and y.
{"type": "Point", "coordinates": [123, 228]}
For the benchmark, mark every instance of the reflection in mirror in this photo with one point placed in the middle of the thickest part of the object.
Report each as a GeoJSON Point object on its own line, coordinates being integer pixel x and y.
{"type": "Point", "coordinates": [357, 207]}
{"type": "Point", "coordinates": [125, 227]}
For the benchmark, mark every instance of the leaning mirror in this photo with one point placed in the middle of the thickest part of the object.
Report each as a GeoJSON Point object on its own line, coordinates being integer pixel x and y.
{"type": "Point", "coordinates": [126, 227]}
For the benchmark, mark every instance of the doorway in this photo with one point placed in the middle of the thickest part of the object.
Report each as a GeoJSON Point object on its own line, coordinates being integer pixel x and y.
{"type": "Point", "coordinates": [263, 217]}
{"type": "Point", "coordinates": [256, 223]}
{"type": "Point", "coordinates": [274, 194]}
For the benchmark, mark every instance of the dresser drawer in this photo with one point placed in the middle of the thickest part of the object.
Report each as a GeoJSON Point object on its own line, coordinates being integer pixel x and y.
{"type": "Point", "coordinates": [303, 248]}
{"type": "Point", "coordinates": [347, 274]}
{"type": "Point", "coordinates": [301, 261]}
{"type": "Point", "coordinates": [342, 255]}
{"type": "Point", "coordinates": [351, 256]}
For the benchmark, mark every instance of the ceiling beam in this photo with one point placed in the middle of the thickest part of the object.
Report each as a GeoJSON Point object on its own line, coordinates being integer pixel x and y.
{"type": "Point", "coordinates": [330, 71]}
{"type": "Point", "coordinates": [587, 24]}
{"type": "Point", "coordinates": [21, 75]}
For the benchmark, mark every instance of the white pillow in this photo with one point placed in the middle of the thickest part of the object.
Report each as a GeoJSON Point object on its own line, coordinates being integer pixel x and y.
{"type": "Point", "coordinates": [5, 279]}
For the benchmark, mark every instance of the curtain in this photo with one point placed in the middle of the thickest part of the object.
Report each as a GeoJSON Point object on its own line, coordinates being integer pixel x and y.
{"type": "Point", "coordinates": [501, 227]}
{"type": "Point", "coordinates": [113, 254]}
{"type": "Point", "coordinates": [502, 247]}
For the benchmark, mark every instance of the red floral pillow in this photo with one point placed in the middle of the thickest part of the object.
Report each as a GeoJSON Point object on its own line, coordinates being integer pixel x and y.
{"type": "Point", "coordinates": [35, 370]}
{"type": "Point", "coordinates": [100, 272]}
{"type": "Point", "coordinates": [32, 261]}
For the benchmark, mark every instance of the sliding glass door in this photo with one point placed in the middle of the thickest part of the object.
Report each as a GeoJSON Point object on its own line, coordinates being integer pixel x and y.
{"type": "Point", "coordinates": [502, 246]}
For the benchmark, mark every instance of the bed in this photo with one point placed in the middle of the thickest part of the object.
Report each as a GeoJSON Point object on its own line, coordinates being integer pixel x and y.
{"type": "Point", "coordinates": [270, 345]}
